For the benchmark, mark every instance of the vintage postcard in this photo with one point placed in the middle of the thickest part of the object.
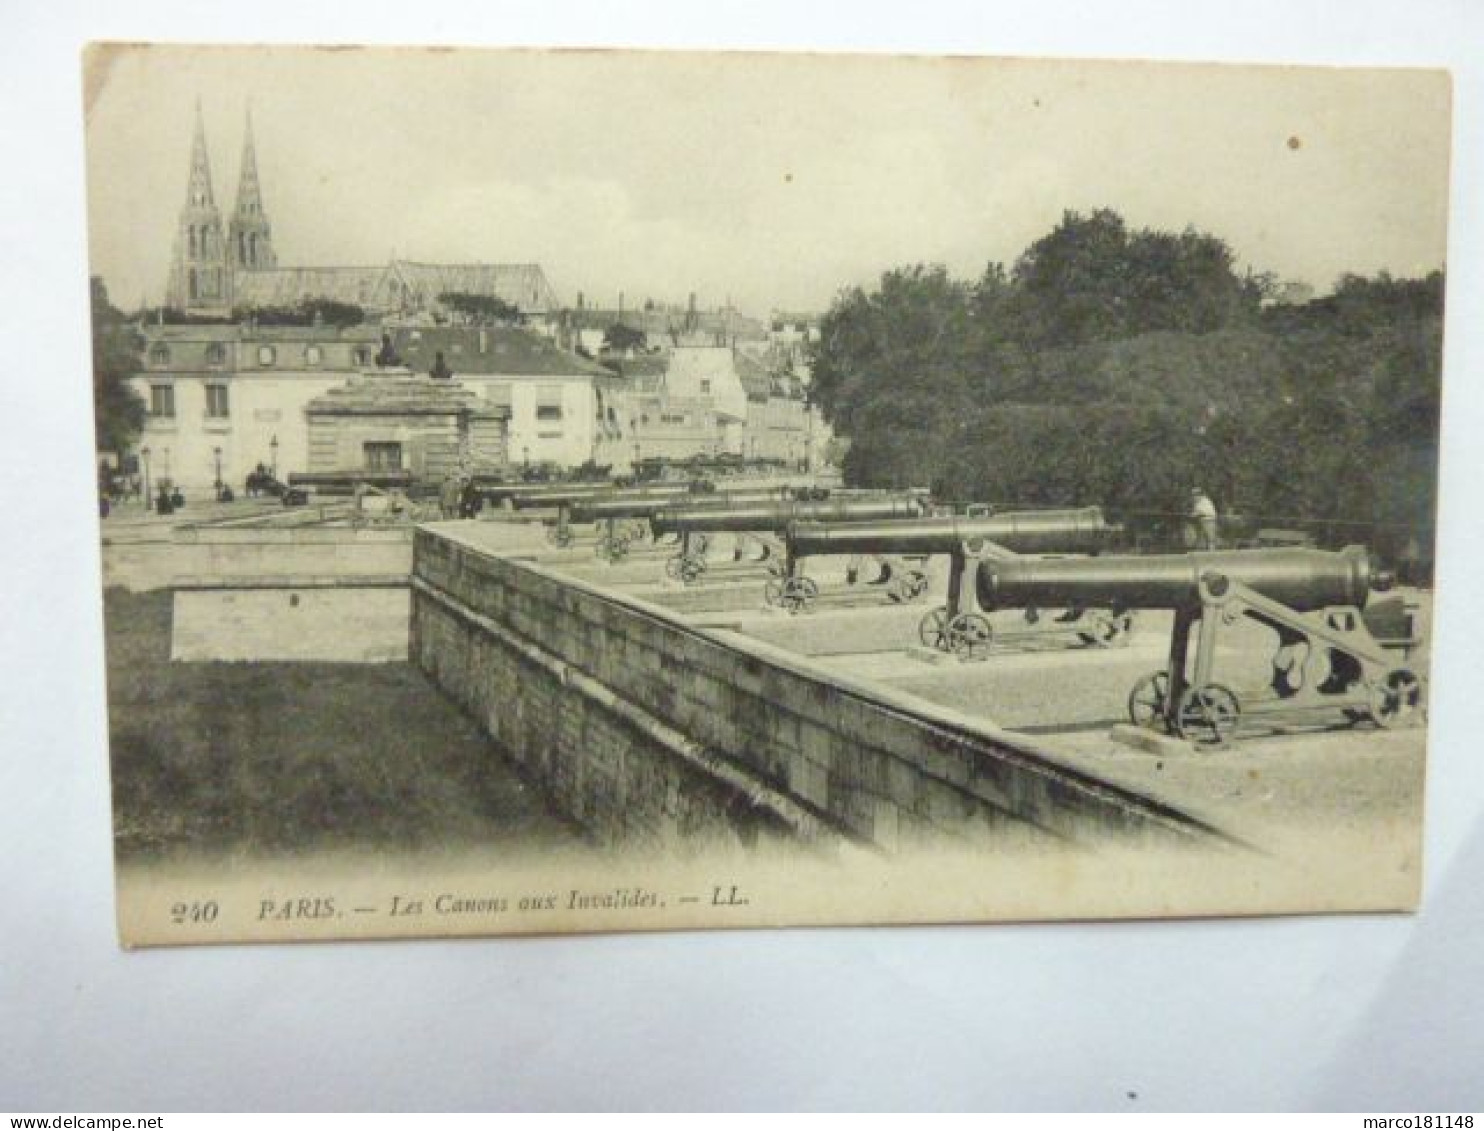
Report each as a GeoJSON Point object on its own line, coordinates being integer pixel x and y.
{"type": "Point", "coordinates": [549, 491]}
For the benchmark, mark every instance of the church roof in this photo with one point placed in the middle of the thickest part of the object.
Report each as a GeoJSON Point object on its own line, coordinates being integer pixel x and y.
{"type": "Point", "coordinates": [401, 285]}
{"type": "Point", "coordinates": [522, 285]}
{"type": "Point", "coordinates": [367, 287]}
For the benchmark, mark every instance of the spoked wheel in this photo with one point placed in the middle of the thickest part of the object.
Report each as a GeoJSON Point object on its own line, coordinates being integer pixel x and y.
{"type": "Point", "coordinates": [672, 567]}
{"type": "Point", "coordinates": [969, 636]}
{"type": "Point", "coordinates": [1146, 702]}
{"type": "Point", "coordinates": [932, 630]}
{"type": "Point", "coordinates": [612, 550]}
{"type": "Point", "coordinates": [773, 592]}
{"type": "Point", "coordinates": [1207, 714]}
{"type": "Point", "coordinates": [917, 584]}
{"type": "Point", "coordinates": [899, 589]}
{"type": "Point", "coordinates": [1396, 699]}
{"type": "Point", "coordinates": [691, 568]}
{"type": "Point", "coordinates": [1108, 629]}
{"type": "Point", "coordinates": [798, 594]}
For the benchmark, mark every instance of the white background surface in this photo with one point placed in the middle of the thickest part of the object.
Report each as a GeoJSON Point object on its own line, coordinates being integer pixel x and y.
{"type": "Point", "coordinates": [1351, 1013]}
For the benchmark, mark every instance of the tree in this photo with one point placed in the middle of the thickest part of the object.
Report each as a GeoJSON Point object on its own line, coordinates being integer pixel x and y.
{"type": "Point", "coordinates": [308, 312]}
{"type": "Point", "coordinates": [489, 307]}
{"type": "Point", "coordinates": [621, 338]}
{"type": "Point", "coordinates": [118, 411]}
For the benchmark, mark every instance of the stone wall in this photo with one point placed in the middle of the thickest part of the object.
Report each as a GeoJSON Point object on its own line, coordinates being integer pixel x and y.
{"type": "Point", "coordinates": [649, 730]}
{"type": "Point", "coordinates": [328, 620]}
{"type": "Point", "coordinates": [256, 552]}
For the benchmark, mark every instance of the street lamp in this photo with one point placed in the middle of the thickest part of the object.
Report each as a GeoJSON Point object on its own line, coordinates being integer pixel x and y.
{"type": "Point", "coordinates": [273, 456]}
{"type": "Point", "coordinates": [217, 452]}
{"type": "Point", "coordinates": [144, 455]}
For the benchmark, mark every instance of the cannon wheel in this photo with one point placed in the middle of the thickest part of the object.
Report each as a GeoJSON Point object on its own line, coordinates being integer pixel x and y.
{"type": "Point", "coordinates": [691, 567]}
{"type": "Point", "coordinates": [773, 592]}
{"type": "Point", "coordinates": [1396, 699]}
{"type": "Point", "coordinates": [672, 567]}
{"type": "Point", "coordinates": [1107, 629]}
{"type": "Point", "coordinates": [969, 636]}
{"type": "Point", "coordinates": [932, 630]}
{"type": "Point", "coordinates": [612, 550]}
{"type": "Point", "coordinates": [899, 589]}
{"type": "Point", "coordinates": [1208, 714]}
{"type": "Point", "coordinates": [798, 594]}
{"type": "Point", "coordinates": [1146, 702]}
{"type": "Point", "coordinates": [917, 583]}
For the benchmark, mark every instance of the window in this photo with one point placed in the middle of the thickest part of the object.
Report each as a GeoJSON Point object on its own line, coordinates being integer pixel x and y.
{"type": "Point", "coordinates": [549, 402]}
{"type": "Point", "coordinates": [216, 402]}
{"type": "Point", "coordinates": [705, 385]}
{"type": "Point", "coordinates": [216, 354]}
{"type": "Point", "coordinates": [362, 355]}
{"type": "Point", "coordinates": [383, 455]}
{"type": "Point", "coordinates": [267, 355]}
{"type": "Point", "coordinates": [159, 354]}
{"type": "Point", "coordinates": [162, 400]}
{"type": "Point", "coordinates": [313, 355]}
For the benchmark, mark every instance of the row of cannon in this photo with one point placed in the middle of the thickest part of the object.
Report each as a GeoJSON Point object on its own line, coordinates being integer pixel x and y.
{"type": "Point", "coordinates": [1055, 568]}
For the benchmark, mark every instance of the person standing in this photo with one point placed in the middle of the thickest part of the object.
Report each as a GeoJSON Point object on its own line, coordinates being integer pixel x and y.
{"type": "Point", "coordinates": [1203, 519]}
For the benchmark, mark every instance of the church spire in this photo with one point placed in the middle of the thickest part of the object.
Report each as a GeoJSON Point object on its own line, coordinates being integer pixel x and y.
{"type": "Point", "coordinates": [198, 270]}
{"type": "Point", "coordinates": [198, 192]}
{"type": "Point", "coordinates": [250, 236]}
{"type": "Point", "coordinates": [249, 195]}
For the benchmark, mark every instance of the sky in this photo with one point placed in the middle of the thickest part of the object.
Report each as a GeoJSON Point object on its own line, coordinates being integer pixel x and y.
{"type": "Point", "coordinates": [771, 181]}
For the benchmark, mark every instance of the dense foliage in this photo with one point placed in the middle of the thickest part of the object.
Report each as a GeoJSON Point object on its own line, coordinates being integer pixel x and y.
{"type": "Point", "coordinates": [1122, 368]}
{"type": "Point", "coordinates": [309, 312]}
{"type": "Point", "coordinates": [118, 411]}
{"type": "Point", "coordinates": [480, 306]}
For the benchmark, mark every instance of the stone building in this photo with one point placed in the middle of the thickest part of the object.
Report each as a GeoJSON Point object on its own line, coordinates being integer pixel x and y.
{"type": "Point", "coordinates": [563, 409]}
{"type": "Point", "coordinates": [393, 419]}
{"type": "Point", "coordinates": [222, 399]}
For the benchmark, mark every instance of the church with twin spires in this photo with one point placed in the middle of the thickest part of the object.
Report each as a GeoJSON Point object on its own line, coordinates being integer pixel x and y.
{"type": "Point", "coordinates": [220, 267]}
{"type": "Point", "coordinates": [209, 256]}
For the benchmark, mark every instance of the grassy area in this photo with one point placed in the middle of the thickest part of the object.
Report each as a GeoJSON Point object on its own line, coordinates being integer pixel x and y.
{"type": "Point", "coordinates": [274, 758]}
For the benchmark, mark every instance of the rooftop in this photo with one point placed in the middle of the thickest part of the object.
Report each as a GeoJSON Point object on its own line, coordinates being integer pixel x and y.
{"type": "Point", "coordinates": [505, 351]}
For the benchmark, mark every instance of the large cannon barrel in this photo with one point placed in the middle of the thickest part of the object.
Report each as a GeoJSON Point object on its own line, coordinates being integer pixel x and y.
{"type": "Point", "coordinates": [631, 504]}
{"type": "Point", "coordinates": [526, 500]}
{"type": "Point", "coordinates": [1304, 580]}
{"type": "Point", "coordinates": [778, 514]}
{"type": "Point", "coordinates": [1081, 531]}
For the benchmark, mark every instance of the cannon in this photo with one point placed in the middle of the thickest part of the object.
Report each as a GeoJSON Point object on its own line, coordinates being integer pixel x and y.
{"type": "Point", "coordinates": [1325, 658]}
{"type": "Point", "coordinates": [693, 523]}
{"type": "Point", "coordinates": [564, 497]}
{"type": "Point", "coordinates": [637, 508]}
{"type": "Point", "coordinates": [960, 626]}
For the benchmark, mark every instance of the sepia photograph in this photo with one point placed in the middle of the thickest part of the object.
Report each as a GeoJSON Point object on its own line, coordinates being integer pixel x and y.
{"type": "Point", "coordinates": [552, 491]}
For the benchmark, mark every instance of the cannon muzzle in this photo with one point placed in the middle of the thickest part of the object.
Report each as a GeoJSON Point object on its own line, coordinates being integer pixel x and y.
{"type": "Point", "coordinates": [1304, 580]}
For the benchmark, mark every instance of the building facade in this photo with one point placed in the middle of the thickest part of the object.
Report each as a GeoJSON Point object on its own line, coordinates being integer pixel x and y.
{"type": "Point", "coordinates": [564, 409]}
{"type": "Point", "coordinates": [230, 397]}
